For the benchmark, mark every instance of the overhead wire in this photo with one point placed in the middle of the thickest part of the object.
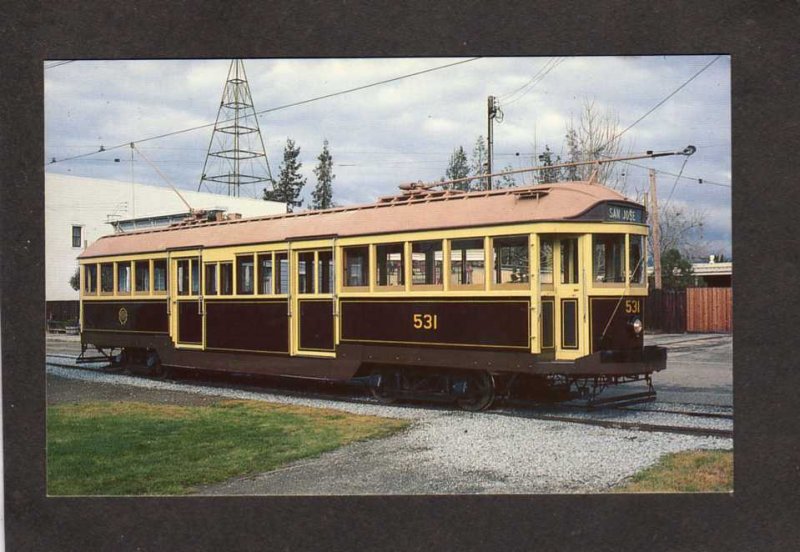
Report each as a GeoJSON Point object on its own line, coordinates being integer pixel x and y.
{"type": "Point", "coordinates": [666, 204]}
{"type": "Point", "coordinates": [699, 180]}
{"type": "Point", "coordinates": [542, 68]}
{"type": "Point", "coordinates": [270, 110]}
{"type": "Point", "coordinates": [534, 81]}
{"type": "Point", "coordinates": [662, 102]}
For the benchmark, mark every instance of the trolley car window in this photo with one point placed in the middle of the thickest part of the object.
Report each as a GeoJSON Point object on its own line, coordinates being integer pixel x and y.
{"type": "Point", "coordinates": [608, 258]}
{"type": "Point", "coordinates": [467, 264]}
{"type": "Point", "coordinates": [356, 266]}
{"type": "Point", "coordinates": [511, 260]}
{"type": "Point", "coordinates": [195, 277]}
{"type": "Point", "coordinates": [211, 279]}
{"type": "Point", "coordinates": [546, 261]}
{"type": "Point", "coordinates": [225, 278]}
{"type": "Point", "coordinates": [107, 278]}
{"type": "Point", "coordinates": [389, 258]}
{"type": "Point", "coordinates": [90, 283]}
{"type": "Point", "coordinates": [636, 258]}
{"type": "Point", "coordinates": [282, 278]}
{"type": "Point", "coordinates": [265, 274]}
{"type": "Point", "coordinates": [426, 262]}
{"type": "Point", "coordinates": [325, 271]}
{"type": "Point", "coordinates": [569, 260]}
{"type": "Point", "coordinates": [245, 268]}
{"type": "Point", "coordinates": [183, 277]}
{"type": "Point", "coordinates": [305, 272]}
{"type": "Point", "coordinates": [142, 273]}
{"type": "Point", "coordinates": [124, 277]}
{"type": "Point", "coordinates": [160, 275]}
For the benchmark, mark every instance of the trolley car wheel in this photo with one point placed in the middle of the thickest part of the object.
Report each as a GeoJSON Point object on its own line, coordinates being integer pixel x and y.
{"type": "Point", "coordinates": [121, 359]}
{"type": "Point", "coordinates": [154, 366]}
{"type": "Point", "coordinates": [382, 393]}
{"type": "Point", "coordinates": [480, 392]}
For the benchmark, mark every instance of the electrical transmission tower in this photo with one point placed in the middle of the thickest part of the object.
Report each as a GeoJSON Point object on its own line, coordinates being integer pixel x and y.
{"type": "Point", "coordinates": [236, 154]}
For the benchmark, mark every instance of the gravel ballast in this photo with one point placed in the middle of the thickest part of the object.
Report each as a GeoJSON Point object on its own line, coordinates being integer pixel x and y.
{"type": "Point", "coordinates": [447, 451]}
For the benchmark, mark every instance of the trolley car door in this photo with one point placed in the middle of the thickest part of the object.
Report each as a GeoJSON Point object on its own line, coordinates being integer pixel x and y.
{"type": "Point", "coordinates": [186, 300]}
{"type": "Point", "coordinates": [313, 303]}
{"type": "Point", "coordinates": [568, 279]}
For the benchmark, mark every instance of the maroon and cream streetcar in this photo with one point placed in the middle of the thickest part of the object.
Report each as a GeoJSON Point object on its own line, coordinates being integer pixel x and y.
{"type": "Point", "coordinates": [430, 293]}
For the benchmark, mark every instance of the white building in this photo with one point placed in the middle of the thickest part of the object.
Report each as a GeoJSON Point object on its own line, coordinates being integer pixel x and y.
{"type": "Point", "coordinates": [80, 210]}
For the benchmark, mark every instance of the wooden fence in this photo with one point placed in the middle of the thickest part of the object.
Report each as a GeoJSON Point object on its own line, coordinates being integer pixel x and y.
{"type": "Point", "coordinates": [709, 310]}
{"type": "Point", "coordinates": [665, 310]}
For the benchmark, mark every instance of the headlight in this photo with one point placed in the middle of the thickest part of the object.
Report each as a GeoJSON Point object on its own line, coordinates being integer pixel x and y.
{"type": "Point", "coordinates": [636, 325]}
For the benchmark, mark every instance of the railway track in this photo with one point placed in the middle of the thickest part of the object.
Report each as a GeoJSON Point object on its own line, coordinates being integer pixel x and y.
{"type": "Point", "coordinates": [635, 426]}
{"type": "Point", "coordinates": [347, 393]}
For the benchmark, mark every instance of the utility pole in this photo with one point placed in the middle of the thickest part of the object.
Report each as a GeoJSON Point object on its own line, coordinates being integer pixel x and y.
{"type": "Point", "coordinates": [656, 230]}
{"type": "Point", "coordinates": [494, 112]}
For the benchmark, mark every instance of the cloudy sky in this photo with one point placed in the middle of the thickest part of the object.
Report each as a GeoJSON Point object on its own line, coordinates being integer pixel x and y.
{"type": "Point", "coordinates": [401, 131]}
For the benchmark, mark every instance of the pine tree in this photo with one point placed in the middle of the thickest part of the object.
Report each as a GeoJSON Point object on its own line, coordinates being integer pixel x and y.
{"type": "Point", "coordinates": [548, 176]}
{"type": "Point", "coordinates": [322, 196]}
{"type": "Point", "coordinates": [480, 157]}
{"type": "Point", "coordinates": [458, 168]}
{"type": "Point", "coordinates": [290, 182]}
{"type": "Point", "coordinates": [676, 270]}
{"type": "Point", "coordinates": [507, 180]}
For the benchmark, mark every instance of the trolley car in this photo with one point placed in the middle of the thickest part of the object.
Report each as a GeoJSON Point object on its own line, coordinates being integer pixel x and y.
{"type": "Point", "coordinates": [430, 293]}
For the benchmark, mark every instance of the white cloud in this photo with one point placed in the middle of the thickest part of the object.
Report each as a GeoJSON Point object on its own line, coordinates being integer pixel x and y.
{"type": "Point", "coordinates": [397, 132]}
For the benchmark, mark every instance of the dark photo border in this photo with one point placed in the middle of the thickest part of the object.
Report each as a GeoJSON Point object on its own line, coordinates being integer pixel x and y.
{"type": "Point", "coordinates": [762, 513]}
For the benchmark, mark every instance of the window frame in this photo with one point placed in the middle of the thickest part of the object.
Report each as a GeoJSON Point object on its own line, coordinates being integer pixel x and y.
{"type": "Point", "coordinates": [526, 285]}
{"type": "Point", "coordinates": [319, 272]}
{"type": "Point", "coordinates": [623, 262]}
{"type": "Point", "coordinates": [80, 236]}
{"type": "Point", "coordinates": [428, 286]}
{"type": "Point", "coordinates": [576, 258]}
{"type": "Point", "coordinates": [259, 280]}
{"type": "Point", "coordinates": [102, 280]}
{"type": "Point", "coordinates": [84, 287]}
{"type": "Point", "coordinates": [153, 263]}
{"type": "Point", "coordinates": [303, 257]}
{"type": "Point", "coordinates": [643, 255]}
{"type": "Point", "coordinates": [117, 267]}
{"type": "Point", "coordinates": [207, 280]}
{"type": "Point", "coordinates": [365, 271]}
{"type": "Point", "coordinates": [221, 280]}
{"type": "Point", "coordinates": [376, 269]}
{"type": "Point", "coordinates": [238, 283]}
{"type": "Point", "coordinates": [457, 285]}
{"type": "Point", "coordinates": [135, 280]}
{"type": "Point", "coordinates": [279, 257]}
{"type": "Point", "coordinates": [183, 277]}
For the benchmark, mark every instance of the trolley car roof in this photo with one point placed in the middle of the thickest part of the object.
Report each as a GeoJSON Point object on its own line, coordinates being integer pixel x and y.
{"type": "Point", "coordinates": [416, 210]}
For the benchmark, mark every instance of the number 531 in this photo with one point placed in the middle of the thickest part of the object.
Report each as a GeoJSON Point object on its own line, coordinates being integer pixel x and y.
{"type": "Point", "coordinates": [426, 321]}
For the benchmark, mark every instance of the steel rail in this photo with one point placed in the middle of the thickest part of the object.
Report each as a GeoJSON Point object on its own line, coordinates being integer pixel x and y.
{"type": "Point", "coordinates": [344, 393]}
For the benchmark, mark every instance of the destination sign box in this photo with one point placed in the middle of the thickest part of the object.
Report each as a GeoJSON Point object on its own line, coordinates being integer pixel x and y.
{"type": "Point", "coordinates": [624, 213]}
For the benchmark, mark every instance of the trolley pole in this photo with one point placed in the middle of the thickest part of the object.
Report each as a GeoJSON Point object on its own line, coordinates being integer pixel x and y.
{"type": "Point", "coordinates": [656, 230]}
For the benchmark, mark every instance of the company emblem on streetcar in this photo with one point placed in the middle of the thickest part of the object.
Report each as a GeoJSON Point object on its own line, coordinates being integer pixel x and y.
{"type": "Point", "coordinates": [123, 316]}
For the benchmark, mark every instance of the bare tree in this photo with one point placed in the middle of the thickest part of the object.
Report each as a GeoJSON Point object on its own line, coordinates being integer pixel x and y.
{"type": "Point", "coordinates": [595, 136]}
{"type": "Point", "coordinates": [682, 230]}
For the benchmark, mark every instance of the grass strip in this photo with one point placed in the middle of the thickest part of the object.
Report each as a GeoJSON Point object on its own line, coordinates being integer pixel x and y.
{"type": "Point", "coordinates": [696, 471]}
{"type": "Point", "coordinates": [131, 448]}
